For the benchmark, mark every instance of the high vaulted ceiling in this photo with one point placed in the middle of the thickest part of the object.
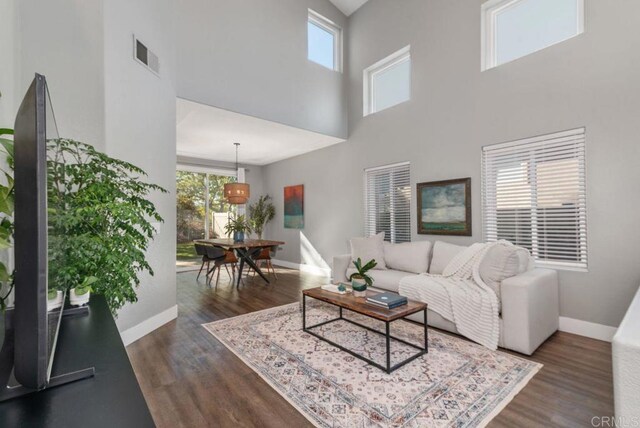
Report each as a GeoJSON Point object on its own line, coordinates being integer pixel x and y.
{"type": "Point", "coordinates": [348, 6]}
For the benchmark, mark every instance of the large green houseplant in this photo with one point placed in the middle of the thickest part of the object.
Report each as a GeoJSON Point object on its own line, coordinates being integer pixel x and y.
{"type": "Point", "coordinates": [260, 213]}
{"type": "Point", "coordinates": [100, 222]}
{"type": "Point", "coordinates": [6, 214]}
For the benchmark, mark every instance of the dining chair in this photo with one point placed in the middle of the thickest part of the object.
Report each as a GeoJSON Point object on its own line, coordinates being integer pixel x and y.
{"type": "Point", "coordinates": [201, 250]}
{"type": "Point", "coordinates": [266, 255]}
{"type": "Point", "coordinates": [221, 257]}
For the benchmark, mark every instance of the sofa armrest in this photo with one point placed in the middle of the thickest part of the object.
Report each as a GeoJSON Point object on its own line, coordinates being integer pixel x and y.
{"type": "Point", "coordinates": [530, 309]}
{"type": "Point", "coordinates": [626, 359]}
{"type": "Point", "coordinates": [340, 266]}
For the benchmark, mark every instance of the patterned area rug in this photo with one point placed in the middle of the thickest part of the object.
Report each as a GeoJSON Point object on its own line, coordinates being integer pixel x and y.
{"type": "Point", "coordinates": [457, 384]}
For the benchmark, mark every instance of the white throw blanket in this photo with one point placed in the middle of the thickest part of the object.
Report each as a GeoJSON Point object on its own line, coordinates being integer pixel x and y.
{"type": "Point", "coordinates": [460, 296]}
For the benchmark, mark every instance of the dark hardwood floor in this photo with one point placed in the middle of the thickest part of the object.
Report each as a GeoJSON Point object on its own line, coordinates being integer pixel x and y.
{"type": "Point", "coordinates": [189, 379]}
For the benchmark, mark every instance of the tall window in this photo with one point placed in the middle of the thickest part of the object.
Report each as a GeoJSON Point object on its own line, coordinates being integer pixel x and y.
{"type": "Point", "coordinates": [202, 211]}
{"type": "Point", "coordinates": [388, 82]}
{"type": "Point", "coordinates": [515, 28]}
{"type": "Point", "coordinates": [324, 41]}
{"type": "Point", "coordinates": [387, 199]}
{"type": "Point", "coordinates": [534, 195]}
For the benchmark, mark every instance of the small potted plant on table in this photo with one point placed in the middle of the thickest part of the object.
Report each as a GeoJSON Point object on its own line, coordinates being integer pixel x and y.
{"type": "Point", "coordinates": [54, 299]}
{"type": "Point", "coordinates": [238, 225]}
{"type": "Point", "coordinates": [80, 295]}
{"type": "Point", "coordinates": [360, 280]}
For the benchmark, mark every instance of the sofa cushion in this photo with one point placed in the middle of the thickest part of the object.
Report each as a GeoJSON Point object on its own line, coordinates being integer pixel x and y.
{"type": "Point", "coordinates": [443, 253]}
{"type": "Point", "coordinates": [527, 262]}
{"type": "Point", "coordinates": [388, 280]}
{"type": "Point", "coordinates": [368, 249]}
{"type": "Point", "coordinates": [409, 256]}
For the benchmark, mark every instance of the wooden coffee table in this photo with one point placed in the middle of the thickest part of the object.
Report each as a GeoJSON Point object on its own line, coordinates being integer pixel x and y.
{"type": "Point", "coordinates": [361, 306]}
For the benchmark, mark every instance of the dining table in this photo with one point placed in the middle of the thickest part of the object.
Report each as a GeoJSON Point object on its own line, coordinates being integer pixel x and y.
{"type": "Point", "coordinates": [243, 250]}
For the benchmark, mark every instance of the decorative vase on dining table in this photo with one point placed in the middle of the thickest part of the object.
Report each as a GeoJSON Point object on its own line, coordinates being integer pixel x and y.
{"type": "Point", "coordinates": [238, 236]}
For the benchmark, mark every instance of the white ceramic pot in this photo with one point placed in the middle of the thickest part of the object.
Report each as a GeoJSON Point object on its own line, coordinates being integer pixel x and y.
{"type": "Point", "coordinates": [78, 300]}
{"type": "Point", "coordinates": [56, 302]}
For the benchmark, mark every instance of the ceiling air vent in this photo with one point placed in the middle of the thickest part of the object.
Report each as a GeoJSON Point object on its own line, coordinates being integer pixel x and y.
{"type": "Point", "coordinates": [145, 56]}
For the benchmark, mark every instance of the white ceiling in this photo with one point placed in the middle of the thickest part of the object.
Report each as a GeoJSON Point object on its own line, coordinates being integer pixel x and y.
{"type": "Point", "coordinates": [348, 6]}
{"type": "Point", "coordinates": [207, 132]}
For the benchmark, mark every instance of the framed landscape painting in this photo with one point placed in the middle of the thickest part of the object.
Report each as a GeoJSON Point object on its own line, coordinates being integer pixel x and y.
{"type": "Point", "coordinates": [444, 207]}
{"type": "Point", "coordinates": [294, 207]}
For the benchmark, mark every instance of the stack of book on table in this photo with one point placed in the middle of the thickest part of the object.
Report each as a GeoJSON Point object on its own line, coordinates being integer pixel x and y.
{"type": "Point", "coordinates": [387, 300]}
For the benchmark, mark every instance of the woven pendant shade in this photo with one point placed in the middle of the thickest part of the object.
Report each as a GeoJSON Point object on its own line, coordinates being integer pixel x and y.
{"type": "Point", "coordinates": [237, 193]}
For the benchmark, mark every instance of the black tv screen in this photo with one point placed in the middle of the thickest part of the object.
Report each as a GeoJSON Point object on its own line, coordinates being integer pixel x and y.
{"type": "Point", "coordinates": [32, 324]}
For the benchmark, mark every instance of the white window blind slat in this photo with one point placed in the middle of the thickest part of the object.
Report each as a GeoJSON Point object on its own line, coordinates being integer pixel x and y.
{"type": "Point", "coordinates": [534, 195]}
{"type": "Point", "coordinates": [387, 201]}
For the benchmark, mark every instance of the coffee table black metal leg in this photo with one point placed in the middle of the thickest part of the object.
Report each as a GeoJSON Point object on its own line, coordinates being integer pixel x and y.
{"type": "Point", "coordinates": [340, 312]}
{"type": "Point", "coordinates": [426, 335]}
{"type": "Point", "coordinates": [304, 312]}
{"type": "Point", "coordinates": [388, 348]}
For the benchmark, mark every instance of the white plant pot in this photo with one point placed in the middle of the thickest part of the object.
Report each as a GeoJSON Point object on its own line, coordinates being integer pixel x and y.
{"type": "Point", "coordinates": [56, 302]}
{"type": "Point", "coordinates": [78, 300]}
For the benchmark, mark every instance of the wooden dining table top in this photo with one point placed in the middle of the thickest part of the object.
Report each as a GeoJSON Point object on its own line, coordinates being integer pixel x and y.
{"type": "Point", "coordinates": [229, 244]}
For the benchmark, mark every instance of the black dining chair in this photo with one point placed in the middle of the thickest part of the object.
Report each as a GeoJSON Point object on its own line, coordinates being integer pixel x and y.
{"type": "Point", "coordinates": [201, 250]}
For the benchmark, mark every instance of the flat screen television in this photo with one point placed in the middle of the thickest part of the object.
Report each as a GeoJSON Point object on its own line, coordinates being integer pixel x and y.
{"type": "Point", "coordinates": [31, 330]}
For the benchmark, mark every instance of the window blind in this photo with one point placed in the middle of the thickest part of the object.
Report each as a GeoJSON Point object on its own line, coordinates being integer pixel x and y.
{"type": "Point", "coordinates": [387, 199]}
{"type": "Point", "coordinates": [534, 195]}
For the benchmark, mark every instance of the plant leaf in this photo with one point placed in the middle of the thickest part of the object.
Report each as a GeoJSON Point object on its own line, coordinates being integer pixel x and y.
{"type": "Point", "coordinates": [8, 146]}
{"type": "Point", "coordinates": [370, 265]}
{"type": "Point", "coordinates": [4, 273]}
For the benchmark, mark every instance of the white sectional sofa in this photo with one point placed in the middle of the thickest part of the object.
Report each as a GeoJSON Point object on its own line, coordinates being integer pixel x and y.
{"type": "Point", "coordinates": [528, 295]}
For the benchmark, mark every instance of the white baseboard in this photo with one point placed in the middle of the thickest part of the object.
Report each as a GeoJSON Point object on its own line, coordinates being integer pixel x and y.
{"type": "Point", "coordinates": [587, 329]}
{"type": "Point", "coordinates": [134, 333]}
{"type": "Point", "coordinates": [313, 270]}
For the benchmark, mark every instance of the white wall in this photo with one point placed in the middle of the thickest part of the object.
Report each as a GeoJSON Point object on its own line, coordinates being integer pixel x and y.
{"type": "Point", "coordinates": [140, 112]}
{"type": "Point", "coordinates": [7, 64]}
{"type": "Point", "coordinates": [591, 80]}
{"type": "Point", "coordinates": [63, 39]}
{"type": "Point", "coordinates": [250, 56]}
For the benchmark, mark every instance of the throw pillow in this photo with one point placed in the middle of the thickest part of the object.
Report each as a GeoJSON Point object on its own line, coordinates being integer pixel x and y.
{"type": "Point", "coordinates": [443, 253]}
{"type": "Point", "coordinates": [408, 257]}
{"type": "Point", "coordinates": [369, 248]}
{"type": "Point", "coordinates": [526, 260]}
{"type": "Point", "coordinates": [500, 262]}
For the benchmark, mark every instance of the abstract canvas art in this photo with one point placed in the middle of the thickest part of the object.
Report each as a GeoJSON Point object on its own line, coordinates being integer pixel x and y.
{"type": "Point", "coordinates": [294, 207]}
{"type": "Point", "coordinates": [444, 207]}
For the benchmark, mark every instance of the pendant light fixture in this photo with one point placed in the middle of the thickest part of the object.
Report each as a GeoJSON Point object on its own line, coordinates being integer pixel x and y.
{"type": "Point", "coordinates": [237, 193]}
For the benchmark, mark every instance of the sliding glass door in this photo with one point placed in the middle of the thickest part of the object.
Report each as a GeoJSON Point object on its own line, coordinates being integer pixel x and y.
{"type": "Point", "coordinates": [202, 212]}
